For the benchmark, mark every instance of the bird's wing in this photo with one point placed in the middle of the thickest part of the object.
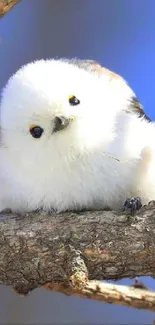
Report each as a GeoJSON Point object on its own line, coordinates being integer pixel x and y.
{"type": "Point", "coordinates": [90, 65]}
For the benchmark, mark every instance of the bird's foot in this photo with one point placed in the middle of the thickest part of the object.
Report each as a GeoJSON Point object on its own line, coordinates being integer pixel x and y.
{"type": "Point", "coordinates": [133, 204]}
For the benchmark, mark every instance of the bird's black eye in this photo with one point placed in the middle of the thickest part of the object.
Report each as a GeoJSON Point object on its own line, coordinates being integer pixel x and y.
{"type": "Point", "coordinates": [73, 100]}
{"type": "Point", "coordinates": [36, 131]}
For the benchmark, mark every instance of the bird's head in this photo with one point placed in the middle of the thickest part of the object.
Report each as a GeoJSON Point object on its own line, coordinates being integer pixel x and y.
{"type": "Point", "coordinates": [53, 108]}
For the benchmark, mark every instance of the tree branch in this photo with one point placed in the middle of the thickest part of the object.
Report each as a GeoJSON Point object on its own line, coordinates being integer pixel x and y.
{"type": "Point", "coordinates": [66, 252]}
{"type": "Point", "coordinates": [118, 294]}
{"type": "Point", "coordinates": [6, 6]}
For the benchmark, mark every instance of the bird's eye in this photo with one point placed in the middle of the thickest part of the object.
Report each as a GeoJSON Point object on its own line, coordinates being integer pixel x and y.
{"type": "Point", "coordinates": [36, 131]}
{"type": "Point", "coordinates": [73, 100]}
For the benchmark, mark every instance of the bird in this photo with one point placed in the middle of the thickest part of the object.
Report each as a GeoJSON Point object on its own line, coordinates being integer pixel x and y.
{"type": "Point", "coordinates": [73, 137]}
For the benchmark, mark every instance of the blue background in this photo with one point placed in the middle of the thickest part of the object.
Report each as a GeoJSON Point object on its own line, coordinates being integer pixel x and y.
{"type": "Point", "coordinates": [120, 34]}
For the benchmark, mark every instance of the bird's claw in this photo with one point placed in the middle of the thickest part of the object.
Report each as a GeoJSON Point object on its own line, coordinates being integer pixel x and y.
{"type": "Point", "coordinates": [133, 204]}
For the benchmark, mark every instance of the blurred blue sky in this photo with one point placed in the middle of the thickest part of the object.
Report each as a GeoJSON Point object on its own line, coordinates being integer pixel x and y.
{"type": "Point", "coordinates": [118, 33]}
{"type": "Point", "coordinates": [121, 35]}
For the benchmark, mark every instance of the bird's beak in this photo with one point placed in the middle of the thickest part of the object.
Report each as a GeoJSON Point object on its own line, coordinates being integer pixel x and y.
{"type": "Point", "coordinates": [61, 122]}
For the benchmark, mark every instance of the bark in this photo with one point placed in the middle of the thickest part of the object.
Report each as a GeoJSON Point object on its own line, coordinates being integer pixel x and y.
{"type": "Point", "coordinates": [6, 6]}
{"type": "Point", "coordinates": [64, 252]}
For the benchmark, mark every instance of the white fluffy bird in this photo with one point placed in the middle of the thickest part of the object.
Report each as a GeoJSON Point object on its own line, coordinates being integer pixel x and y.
{"type": "Point", "coordinates": [73, 136]}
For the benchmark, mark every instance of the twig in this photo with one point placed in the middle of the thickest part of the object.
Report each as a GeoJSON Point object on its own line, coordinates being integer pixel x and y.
{"type": "Point", "coordinates": [6, 6]}
{"type": "Point", "coordinates": [107, 292]}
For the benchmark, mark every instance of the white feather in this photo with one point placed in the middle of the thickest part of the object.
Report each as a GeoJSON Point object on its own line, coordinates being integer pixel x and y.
{"type": "Point", "coordinates": [105, 155]}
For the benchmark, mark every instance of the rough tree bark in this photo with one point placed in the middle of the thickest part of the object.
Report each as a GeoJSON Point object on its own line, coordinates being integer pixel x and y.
{"type": "Point", "coordinates": [71, 252]}
{"type": "Point", "coordinates": [62, 252]}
